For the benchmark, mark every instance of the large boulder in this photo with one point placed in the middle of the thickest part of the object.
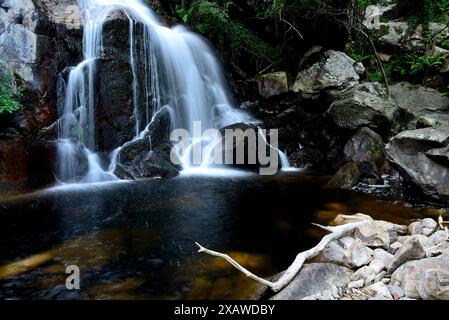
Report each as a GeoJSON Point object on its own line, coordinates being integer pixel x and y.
{"type": "Point", "coordinates": [366, 105]}
{"type": "Point", "coordinates": [408, 151]}
{"type": "Point", "coordinates": [314, 279]}
{"type": "Point", "coordinates": [422, 103]}
{"type": "Point", "coordinates": [149, 155]}
{"type": "Point", "coordinates": [391, 29]}
{"type": "Point", "coordinates": [331, 72]}
{"type": "Point", "coordinates": [365, 146]}
{"type": "Point", "coordinates": [424, 279]}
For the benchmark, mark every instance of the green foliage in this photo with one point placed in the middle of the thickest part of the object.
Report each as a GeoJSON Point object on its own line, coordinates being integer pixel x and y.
{"type": "Point", "coordinates": [9, 95]}
{"type": "Point", "coordinates": [375, 77]}
{"type": "Point", "coordinates": [445, 93]}
{"type": "Point", "coordinates": [413, 65]}
{"type": "Point", "coordinates": [445, 44]}
{"type": "Point", "coordinates": [424, 11]}
{"type": "Point", "coordinates": [232, 36]}
{"type": "Point", "coordinates": [363, 4]}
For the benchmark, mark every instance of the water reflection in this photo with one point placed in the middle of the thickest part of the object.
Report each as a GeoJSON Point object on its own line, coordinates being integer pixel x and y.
{"type": "Point", "coordinates": [135, 240]}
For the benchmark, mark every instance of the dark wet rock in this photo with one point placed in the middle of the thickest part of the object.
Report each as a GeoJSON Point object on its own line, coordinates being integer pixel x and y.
{"type": "Point", "coordinates": [408, 152]}
{"type": "Point", "coordinates": [116, 30]}
{"type": "Point", "coordinates": [347, 177]}
{"type": "Point", "coordinates": [423, 103]}
{"type": "Point", "coordinates": [114, 109]}
{"type": "Point", "coordinates": [25, 166]}
{"type": "Point", "coordinates": [307, 158]}
{"type": "Point", "coordinates": [149, 156]}
{"type": "Point", "coordinates": [365, 146]}
{"type": "Point", "coordinates": [314, 279]}
{"type": "Point", "coordinates": [440, 155]}
{"type": "Point", "coordinates": [272, 84]}
{"type": "Point", "coordinates": [241, 143]}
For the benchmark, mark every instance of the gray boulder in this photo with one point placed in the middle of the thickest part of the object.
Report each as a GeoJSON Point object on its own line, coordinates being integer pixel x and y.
{"type": "Point", "coordinates": [333, 72]}
{"type": "Point", "coordinates": [422, 103]}
{"type": "Point", "coordinates": [407, 151]}
{"type": "Point", "coordinates": [365, 146]}
{"type": "Point", "coordinates": [424, 279]}
{"type": "Point", "coordinates": [366, 105]}
{"type": "Point", "coordinates": [411, 250]}
{"type": "Point", "coordinates": [315, 279]}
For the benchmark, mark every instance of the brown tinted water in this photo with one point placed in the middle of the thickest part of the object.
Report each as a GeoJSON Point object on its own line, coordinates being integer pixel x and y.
{"type": "Point", "coordinates": [136, 240]}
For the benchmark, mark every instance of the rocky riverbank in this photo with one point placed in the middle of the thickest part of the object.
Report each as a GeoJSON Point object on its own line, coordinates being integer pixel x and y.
{"type": "Point", "coordinates": [378, 261]}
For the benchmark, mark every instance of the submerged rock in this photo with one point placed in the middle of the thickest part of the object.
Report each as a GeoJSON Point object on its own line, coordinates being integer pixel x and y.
{"type": "Point", "coordinates": [347, 177]}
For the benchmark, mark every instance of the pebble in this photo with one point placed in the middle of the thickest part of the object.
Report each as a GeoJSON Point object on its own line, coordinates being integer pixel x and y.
{"type": "Point", "coordinates": [415, 228]}
{"type": "Point", "coordinates": [356, 284]}
{"type": "Point", "coordinates": [429, 223]}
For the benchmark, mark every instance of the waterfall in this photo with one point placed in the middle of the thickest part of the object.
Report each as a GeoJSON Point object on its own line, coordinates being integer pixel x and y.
{"type": "Point", "coordinates": [175, 68]}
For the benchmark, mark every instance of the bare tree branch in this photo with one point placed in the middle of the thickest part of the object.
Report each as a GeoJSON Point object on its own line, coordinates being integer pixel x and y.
{"type": "Point", "coordinates": [301, 258]}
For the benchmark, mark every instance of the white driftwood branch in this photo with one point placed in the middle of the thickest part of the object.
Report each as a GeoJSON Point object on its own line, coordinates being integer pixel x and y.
{"type": "Point", "coordinates": [301, 258]}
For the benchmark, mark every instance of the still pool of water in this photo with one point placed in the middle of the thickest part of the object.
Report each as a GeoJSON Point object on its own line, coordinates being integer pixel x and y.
{"type": "Point", "coordinates": [136, 240]}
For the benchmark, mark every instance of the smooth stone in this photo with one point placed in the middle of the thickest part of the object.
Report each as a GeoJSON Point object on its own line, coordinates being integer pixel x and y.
{"type": "Point", "coordinates": [342, 219]}
{"type": "Point", "coordinates": [438, 237]}
{"type": "Point", "coordinates": [415, 228]}
{"type": "Point", "coordinates": [377, 266]}
{"type": "Point", "coordinates": [356, 284]}
{"type": "Point", "coordinates": [429, 223]}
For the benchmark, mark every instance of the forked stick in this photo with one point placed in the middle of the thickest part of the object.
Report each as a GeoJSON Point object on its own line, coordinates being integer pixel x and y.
{"type": "Point", "coordinates": [301, 258]}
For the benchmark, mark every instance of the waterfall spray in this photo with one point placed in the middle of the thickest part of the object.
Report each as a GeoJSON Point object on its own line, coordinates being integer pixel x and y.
{"type": "Point", "coordinates": [175, 68]}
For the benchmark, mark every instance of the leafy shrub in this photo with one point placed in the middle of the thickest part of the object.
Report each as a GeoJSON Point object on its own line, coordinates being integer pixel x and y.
{"type": "Point", "coordinates": [9, 95]}
{"type": "Point", "coordinates": [232, 36]}
{"type": "Point", "coordinates": [413, 65]}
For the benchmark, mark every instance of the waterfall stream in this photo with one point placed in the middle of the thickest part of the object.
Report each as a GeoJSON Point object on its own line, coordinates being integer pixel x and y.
{"type": "Point", "coordinates": [176, 69]}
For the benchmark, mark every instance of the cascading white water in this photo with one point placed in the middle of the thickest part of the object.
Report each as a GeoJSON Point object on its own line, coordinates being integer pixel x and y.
{"type": "Point", "coordinates": [177, 69]}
